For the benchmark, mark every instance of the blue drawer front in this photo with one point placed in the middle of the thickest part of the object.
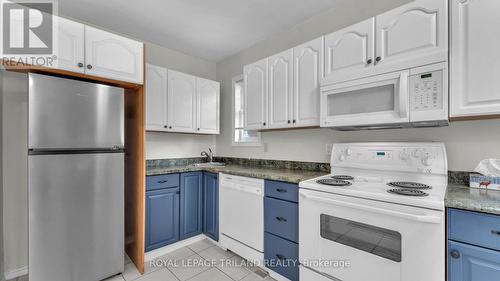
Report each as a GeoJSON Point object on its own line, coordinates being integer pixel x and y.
{"type": "Point", "coordinates": [162, 181]}
{"type": "Point", "coordinates": [281, 218]}
{"type": "Point", "coordinates": [474, 228]}
{"type": "Point", "coordinates": [471, 263]}
{"type": "Point", "coordinates": [282, 256]}
{"type": "Point", "coordinates": [282, 190]}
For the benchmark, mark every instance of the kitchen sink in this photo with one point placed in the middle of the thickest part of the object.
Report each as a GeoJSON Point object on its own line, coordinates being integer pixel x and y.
{"type": "Point", "coordinates": [209, 164]}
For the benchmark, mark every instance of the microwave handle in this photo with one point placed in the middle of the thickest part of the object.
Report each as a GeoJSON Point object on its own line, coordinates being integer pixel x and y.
{"type": "Point", "coordinates": [425, 219]}
{"type": "Point", "coordinates": [403, 94]}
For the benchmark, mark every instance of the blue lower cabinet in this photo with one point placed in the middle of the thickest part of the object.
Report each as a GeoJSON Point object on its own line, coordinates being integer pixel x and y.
{"type": "Point", "coordinates": [281, 218]}
{"type": "Point", "coordinates": [211, 205]}
{"type": "Point", "coordinates": [162, 218]}
{"type": "Point", "coordinates": [472, 263]}
{"type": "Point", "coordinates": [191, 204]}
{"type": "Point", "coordinates": [282, 256]}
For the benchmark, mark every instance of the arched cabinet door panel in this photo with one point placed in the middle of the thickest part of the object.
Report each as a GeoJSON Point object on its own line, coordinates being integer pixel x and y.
{"type": "Point", "coordinates": [113, 56]}
{"type": "Point", "coordinates": [255, 105]}
{"type": "Point", "coordinates": [280, 90]}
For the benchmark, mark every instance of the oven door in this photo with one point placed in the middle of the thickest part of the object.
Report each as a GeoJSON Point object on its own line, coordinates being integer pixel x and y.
{"type": "Point", "coordinates": [352, 239]}
{"type": "Point", "coordinates": [376, 100]}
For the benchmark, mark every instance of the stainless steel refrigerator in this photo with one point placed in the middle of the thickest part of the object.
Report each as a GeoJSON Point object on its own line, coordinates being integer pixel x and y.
{"type": "Point", "coordinates": [76, 179]}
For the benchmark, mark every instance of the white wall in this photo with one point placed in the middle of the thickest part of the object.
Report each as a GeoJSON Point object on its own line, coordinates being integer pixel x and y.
{"type": "Point", "coordinates": [467, 142]}
{"type": "Point", "coordinates": [15, 175]}
{"type": "Point", "coordinates": [171, 145]}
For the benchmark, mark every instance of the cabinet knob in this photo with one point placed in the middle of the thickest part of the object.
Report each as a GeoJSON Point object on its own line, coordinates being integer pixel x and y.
{"type": "Point", "coordinates": [455, 254]}
{"type": "Point", "coordinates": [166, 127]}
{"type": "Point", "coordinates": [89, 66]}
{"type": "Point", "coordinates": [378, 59]}
{"type": "Point", "coordinates": [80, 64]}
{"type": "Point", "coordinates": [264, 123]}
{"type": "Point", "coordinates": [294, 121]}
{"type": "Point", "coordinates": [369, 61]}
{"type": "Point", "coordinates": [170, 127]}
{"type": "Point", "coordinates": [198, 129]}
{"type": "Point", "coordinates": [289, 121]}
{"type": "Point", "coordinates": [281, 257]}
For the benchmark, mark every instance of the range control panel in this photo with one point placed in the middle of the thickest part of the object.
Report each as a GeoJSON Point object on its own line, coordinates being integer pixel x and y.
{"type": "Point", "coordinates": [426, 91]}
{"type": "Point", "coordinates": [429, 158]}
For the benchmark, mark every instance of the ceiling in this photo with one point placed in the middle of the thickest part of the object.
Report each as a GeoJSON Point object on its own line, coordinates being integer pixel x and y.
{"type": "Point", "coordinates": [209, 29]}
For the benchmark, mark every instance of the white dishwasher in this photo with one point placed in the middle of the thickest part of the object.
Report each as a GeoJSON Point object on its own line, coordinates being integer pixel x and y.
{"type": "Point", "coordinates": [241, 201]}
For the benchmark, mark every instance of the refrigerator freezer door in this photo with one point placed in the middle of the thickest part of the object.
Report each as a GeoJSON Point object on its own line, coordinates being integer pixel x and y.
{"type": "Point", "coordinates": [71, 114]}
{"type": "Point", "coordinates": [76, 216]}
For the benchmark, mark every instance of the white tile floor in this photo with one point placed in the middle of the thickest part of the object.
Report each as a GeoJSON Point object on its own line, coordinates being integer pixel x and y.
{"type": "Point", "coordinates": [200, 261]}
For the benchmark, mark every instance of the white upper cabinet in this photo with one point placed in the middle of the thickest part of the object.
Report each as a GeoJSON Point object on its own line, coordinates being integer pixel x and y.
{"type": "Point", "coordinates": [255, 77]}
{"type": "Point", "coordinates": [207, 96]}
{"type": "Point", "coordinates": [280, 90]}
{"type": "Point", "coordinates": [350, 50]}
{"type": "Point", "coordinates": [415, 33]}
{"type": "Point", "coordinates": [181, 104]}
{"type": "Point", "coordinates": [475, 66]}
{"type": "Point", "coordinates": [308, 70]}
{"type": "Point", "coordinates": [156, 98]}
{"type": "Point", "coordinates": [70, 49]}
{"type": "Point", "coordinates": [113, 56]}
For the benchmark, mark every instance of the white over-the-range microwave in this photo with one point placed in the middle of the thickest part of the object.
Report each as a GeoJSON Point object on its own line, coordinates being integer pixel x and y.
{"type": "Point", "coordinates": [414, 97]}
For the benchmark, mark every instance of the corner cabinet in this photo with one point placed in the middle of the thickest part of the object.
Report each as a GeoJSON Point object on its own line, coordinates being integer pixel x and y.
{"type": "Point", "coordinates": [211, 205]}
{"type": "Point", "coordinates": [181, 103]}
{"type": "Point", "coordinates": [70, 50]}
{"type": "Point", "coordinates": [475, 66]}
{"type": "Point", "coordinates": [473, 246]}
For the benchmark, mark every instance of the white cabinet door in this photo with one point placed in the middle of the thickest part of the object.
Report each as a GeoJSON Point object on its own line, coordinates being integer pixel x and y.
{"type": "Point", "coordinates": [280, 90]}
{"type": "Point", "coordinates": [415, 34]}
{"type": "Point", "coordinates": [70, 46]}
{"type": "Point", "coordinates": [350, 50]}
{"type": "Point", "coordinates": [181, 104]}
{"type": "Point", "coordinates": [255, 77]}
{"type": "Point", "coordinates": [475, 65]}
{"type": "Point", "coordinates": [156, 98]}
{"type": "Point", "coordinates": [207, 96]}
{"type": "Point", "coordinates": [308, 70]}
{"type": "Point", "coordinates": [113, 56]}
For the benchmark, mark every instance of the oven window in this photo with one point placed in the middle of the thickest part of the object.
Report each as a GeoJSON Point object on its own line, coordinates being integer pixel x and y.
{"type": "Point", "coordinates": [375, 240]}
{"type": "Point", "coordinates": [376, 99]}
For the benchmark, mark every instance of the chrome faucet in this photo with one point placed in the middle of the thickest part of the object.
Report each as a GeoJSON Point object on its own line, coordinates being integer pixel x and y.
{"type": "Point", "coordinates": [209, 155]}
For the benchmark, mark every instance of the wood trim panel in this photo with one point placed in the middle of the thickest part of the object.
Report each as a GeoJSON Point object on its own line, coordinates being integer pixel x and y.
{"type": "Point", "coordinates": [135, 173]}
{"type": "Point", "coordinates": [478, 117]}
{"type": "Point", "coordinates": [25, 68]}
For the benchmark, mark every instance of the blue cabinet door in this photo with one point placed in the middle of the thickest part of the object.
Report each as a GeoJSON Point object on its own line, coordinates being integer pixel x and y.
{"type": "Point", "coordinates": [211, 205]}
{"type": "Point", "coordinates": [472, 263]}
{"type": "Point", "coordinates": [162, 218]}
{"type": "Point", "coordinates": [191, 205]}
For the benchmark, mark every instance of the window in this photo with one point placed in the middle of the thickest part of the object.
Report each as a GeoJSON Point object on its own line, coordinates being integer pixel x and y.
{"type": "Point", "coordinates": [241, 137]}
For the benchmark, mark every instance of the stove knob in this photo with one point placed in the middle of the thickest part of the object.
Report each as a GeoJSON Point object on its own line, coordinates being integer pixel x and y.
{"type": "Point", "coordinates": [348, 151]}
{"type": "Point", "coordinates": [427, 160]}
{"type": "Point", "coordinates": [341, 158]}
{"type": "Point", "coordinates": [404, 155]}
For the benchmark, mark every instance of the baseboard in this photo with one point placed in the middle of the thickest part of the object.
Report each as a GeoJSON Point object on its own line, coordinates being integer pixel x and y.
{"type": "Point", "coordinates": [11, 274]}
{"type": "Point", "coordinates": [276, 275]}
{"type": "Point", "coordinates": [172, 247]}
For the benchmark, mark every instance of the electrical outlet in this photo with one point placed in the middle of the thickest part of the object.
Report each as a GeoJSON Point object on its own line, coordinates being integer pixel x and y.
{"type": "Point", "coordinates": [329, 148]}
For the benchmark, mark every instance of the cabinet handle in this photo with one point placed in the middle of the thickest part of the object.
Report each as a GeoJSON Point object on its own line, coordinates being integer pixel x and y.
{"type": "Point", "coordinates": [281, 190]}
{"type": "Point", "coordinates": [281, 219]}
{"type": "Point", "coordinates": [369, 61]}
{"type": "Point", "coordinates": [80, 64]}
{"type": "Point", "coordinates": [89, 66]}
{"type": "Point", "coordinates": [164, 181]}
{"type": "Point", "coordinates": [455, 254]}
{"type": "Point", "coordinates": [378, 59]}
{"type": "Point", "coordinates": [495, 232]}
{"type": "Point", "coordinates": [294, 121]}
{"type": "Point", "coordinates": [289, 121]}
{"type": "Point", "coordinates": [281, 257]}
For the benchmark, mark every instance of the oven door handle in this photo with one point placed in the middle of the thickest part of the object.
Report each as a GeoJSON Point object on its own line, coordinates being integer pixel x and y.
{"type": "Point", "coordinates": [426, 219]}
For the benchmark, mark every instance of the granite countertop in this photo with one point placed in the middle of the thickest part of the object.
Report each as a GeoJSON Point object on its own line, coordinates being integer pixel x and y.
{"type": "Point", "coordinates": [460, 196]}
{"type": "Point", "coordinates": [287, 175]}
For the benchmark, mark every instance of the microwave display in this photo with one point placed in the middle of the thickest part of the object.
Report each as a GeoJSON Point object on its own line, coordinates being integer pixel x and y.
{"type": "Point", "coordinates": [426, 91]}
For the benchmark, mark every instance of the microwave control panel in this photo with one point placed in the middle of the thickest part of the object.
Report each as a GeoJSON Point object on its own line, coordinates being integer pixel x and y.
{"type": "Point", "coordinates": [426, 91]}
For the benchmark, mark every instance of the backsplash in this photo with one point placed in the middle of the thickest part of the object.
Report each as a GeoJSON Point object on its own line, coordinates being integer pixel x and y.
{"type": "Point", "coordinates": [459, 177]}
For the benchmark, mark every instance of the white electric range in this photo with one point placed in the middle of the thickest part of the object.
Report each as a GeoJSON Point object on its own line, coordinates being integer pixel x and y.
{"type": "Point", "coordinates": [378, 216]}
